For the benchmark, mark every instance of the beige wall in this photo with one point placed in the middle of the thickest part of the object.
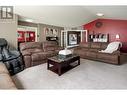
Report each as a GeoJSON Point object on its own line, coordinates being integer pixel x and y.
{"type": "Point", "coordinates": [42, 36]}
{"type": "Point", "coordinates": [8, 30]}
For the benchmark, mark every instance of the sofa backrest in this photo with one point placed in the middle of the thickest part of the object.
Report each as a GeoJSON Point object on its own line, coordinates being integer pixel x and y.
{"type": "Point", "coordinates": [94, 45]}
{"type": "Point", "coordinates": [85, 45]}
{"type": "Point", "coordinates": [104, 46]}
{"type": "Point", "coordinates": [30, 45]}
{"type": "Point", "coordinates": [49, 45]}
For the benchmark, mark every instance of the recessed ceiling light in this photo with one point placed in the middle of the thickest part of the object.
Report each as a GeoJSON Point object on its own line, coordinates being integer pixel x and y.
{"type": "Point", "coordinates": [100, 14]}
{"type": "Point", "coordinates": [29, 20]}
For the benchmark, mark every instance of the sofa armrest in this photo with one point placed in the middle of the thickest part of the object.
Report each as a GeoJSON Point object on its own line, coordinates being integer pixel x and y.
{"type": "Point", "coordinates": [27, 60]}
{"type": "Point", "coordinates": [26, 53]}
{"type": "Point", "coordinates": [116, 52]}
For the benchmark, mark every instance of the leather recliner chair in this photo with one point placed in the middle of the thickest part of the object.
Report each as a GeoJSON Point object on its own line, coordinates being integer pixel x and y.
{"type": "Point", "coordinates": [11, 58]}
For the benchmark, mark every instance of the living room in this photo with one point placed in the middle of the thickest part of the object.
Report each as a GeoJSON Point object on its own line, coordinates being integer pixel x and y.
{"type": "Point", "coordinates": [63, 47]}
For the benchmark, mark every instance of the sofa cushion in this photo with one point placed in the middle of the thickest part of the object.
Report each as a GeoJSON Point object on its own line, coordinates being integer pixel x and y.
{"type": "Point", "coordinates": [49, 45]}
{"type": "Point", "coordinates": [51, 48]}
{"type": "Point", "coordinates": [104, 45]}
{"type": "Point", "coordinates": [107, 56]}
{"type": "Point", "coordinates": [6, 82]}
{"type": "Point", "coordinates": [96, 45]}
{"type": "Point", "coordinates": [50, 53]}
{"type": "Point", "coordinates": [94, 50]}
{"type": "Point", "coordinates": [30, 51]}
{"type": "Point", "coordinates": [91, 54]}
{"type": "Point", "coordinates": [30, 45]}
{"type": "Point", "coordinates": [38, 56]}
{"type": "Point", "coordinates": [34, 50]}
{"type": "Point", "coordinates": [84, 49]}
{"type": "Point", "coordinates": [3, 68]}
{"type": "Point", "coordinates": [80, 51]}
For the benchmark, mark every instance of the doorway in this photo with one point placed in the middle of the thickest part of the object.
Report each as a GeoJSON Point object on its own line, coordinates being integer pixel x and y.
{"type": "Point", "coordinates": [26, 34]}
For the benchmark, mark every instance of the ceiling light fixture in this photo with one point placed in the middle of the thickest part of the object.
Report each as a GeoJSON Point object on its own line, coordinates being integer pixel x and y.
{"type": "Point", "coordinates": [29, 20]}
{"type": "Point", "coordinates": [100, 14]}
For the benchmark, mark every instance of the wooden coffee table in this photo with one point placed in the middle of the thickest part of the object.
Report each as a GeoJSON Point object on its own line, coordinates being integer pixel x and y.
{"type": "Point", "coordinates": [62, 65]}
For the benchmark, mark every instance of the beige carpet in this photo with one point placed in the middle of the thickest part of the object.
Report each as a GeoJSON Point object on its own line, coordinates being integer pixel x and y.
{"type": "Point", "coordinates": [89, 75]}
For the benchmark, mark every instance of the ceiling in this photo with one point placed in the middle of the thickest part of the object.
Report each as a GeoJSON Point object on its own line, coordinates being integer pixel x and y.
{"type": "Point", "coordinates": [69, 16]}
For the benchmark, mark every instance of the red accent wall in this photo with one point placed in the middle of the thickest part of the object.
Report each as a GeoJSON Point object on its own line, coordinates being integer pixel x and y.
{"type": "Point", "coordinates": [110, 26]}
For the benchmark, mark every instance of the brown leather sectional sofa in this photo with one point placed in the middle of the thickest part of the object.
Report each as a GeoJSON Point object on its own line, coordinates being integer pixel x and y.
{"type": "Point", "coordinates": [90, 51]}
{"type": "Point", "coordinates": [35, 53]}
{"type": "Point", "coordinates": [6, 81]}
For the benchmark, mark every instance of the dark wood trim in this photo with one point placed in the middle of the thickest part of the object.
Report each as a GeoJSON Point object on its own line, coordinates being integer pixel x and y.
{"type": "Point", "coordinates": [23, 23]}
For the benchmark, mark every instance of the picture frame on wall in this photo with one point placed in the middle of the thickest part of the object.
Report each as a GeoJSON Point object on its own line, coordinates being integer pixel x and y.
{"type": "Point", "coordinates": [51, 32]}
{"type": "Point", "coordinates": [73, 39]}
{"type": "Point", "coordinates": [55, 32]}
{"type": "Point", "coordinates": [46, 30]}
